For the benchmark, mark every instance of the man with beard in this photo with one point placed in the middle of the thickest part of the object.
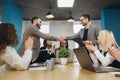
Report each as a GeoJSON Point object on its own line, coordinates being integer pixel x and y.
{"type": "Point", "coordinates": [88, 34]}
{"type": "Point", "coordinates": [33, 30]}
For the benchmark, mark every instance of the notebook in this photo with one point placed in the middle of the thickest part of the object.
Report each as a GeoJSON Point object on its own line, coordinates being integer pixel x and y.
{"type": "Point", "coordinates": [85, 61]}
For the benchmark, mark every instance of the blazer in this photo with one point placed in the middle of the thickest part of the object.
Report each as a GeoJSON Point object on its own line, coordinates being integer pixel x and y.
{"type": "Point", "coordinates": [33, 31]}
{"type": "Point", "coordinates": [93, 33]}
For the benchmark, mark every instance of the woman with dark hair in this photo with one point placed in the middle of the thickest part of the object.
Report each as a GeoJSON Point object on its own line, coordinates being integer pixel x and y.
{"type": "Point", "coordinates": [46, 52]}
{"type": "Point", "coordinates": [9, 59]}
{"type": "Point", "coordinates": [64, 44]}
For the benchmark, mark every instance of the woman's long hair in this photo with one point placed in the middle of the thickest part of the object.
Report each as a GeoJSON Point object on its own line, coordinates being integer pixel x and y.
{"type": "Point", "coordinates": [61, 46]}
{"type": "Point", "coordinates": [46, 44]}
{"type": "Point", "coordinates": [8, 36]}
{"type": "Point", "coordinates": [107, 39]}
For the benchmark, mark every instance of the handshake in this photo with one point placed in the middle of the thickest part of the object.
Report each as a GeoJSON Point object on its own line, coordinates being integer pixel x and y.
{"type": "Point", "coordinates": [78, 40]}
{"type": "Point", "coordinates": [61, 38]}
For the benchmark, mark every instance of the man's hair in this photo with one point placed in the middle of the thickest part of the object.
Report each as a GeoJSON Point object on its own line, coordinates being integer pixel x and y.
{"type": "Point", "coordinates": [86, 16]}
{"type": "Point", "coordinates": [34, 19]}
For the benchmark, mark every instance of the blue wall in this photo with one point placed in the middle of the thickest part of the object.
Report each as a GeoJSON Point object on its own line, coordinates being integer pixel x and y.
{"type": "Point", "coordinates": [110, 19]}
{"type": "Point", "coordinates": [13, 14]}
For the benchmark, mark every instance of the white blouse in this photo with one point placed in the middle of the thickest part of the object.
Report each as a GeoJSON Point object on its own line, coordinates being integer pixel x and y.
{"type": "Point", "coordinates": [13, 61]}
{"type": "Point", "coordinates": [105, 60]}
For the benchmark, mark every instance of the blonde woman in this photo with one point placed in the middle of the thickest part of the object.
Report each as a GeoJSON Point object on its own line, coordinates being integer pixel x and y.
{"type": "Point", "coordinates": [106, 40]}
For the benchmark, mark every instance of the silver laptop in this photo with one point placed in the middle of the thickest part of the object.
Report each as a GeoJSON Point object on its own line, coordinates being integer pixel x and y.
{"type": "Point", "coordinates": [85, 61]}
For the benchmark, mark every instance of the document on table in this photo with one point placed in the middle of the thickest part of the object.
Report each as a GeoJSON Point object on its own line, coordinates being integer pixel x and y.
{"type": "Point", "coordinates": [37, 68]}
{"type": "Point", "coordinates": [114, 72]}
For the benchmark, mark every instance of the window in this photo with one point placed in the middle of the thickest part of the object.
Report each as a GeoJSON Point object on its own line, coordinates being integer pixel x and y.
{"type": "Point", "coordinates": [76, 28]}
{"type": "Point", "coordinates": [44, 29]}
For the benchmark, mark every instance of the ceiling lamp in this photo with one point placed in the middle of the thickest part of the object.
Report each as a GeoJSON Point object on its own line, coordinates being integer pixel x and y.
{"type": "Point", "coordinates": [70, 19]}
{"type": "Point", "coordinates": [49, 15]}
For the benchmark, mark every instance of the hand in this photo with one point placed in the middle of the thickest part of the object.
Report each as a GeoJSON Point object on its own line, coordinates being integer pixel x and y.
{"type": "Point", "coordinates": [53, 49]}
{"type": "Point", "coordinates": [115, 52]}
{"type": "Point", "coordinates": [91, 48]}
{"type": "Point", "coordinates": [29, 43]}
{"type": "Point", "coordinates": [61, 38]}
{"type": "Point", "coordinates": [87, 42]}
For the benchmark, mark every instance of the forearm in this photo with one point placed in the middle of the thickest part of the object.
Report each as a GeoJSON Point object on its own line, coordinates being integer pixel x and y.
{"type": "Point", "coordinates": [104, 60]}
{"type": "Point", "coordinates": [38, 33]}
{"type": "Point", "coordinates": [116, 55]}
{"type": "Point", "coordinates": [26, 58]}
{"type": "Point", "coordinates": [72, 37]}
{"type": "Point", "coordinates": [14, 60]}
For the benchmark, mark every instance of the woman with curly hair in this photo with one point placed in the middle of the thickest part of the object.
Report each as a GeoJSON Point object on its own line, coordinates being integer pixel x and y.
{"type": "Point", "coordinates": [9, 59]}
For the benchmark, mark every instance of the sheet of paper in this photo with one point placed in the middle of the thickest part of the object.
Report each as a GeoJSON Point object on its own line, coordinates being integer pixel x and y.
{"type": "Point", "coordinates": [114, 72]}
{"type": "Point", "coordinates": [37, 68]}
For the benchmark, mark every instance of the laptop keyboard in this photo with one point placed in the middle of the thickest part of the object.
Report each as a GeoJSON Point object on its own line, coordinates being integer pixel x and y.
{"type": "Point", "coordinates": [108, 69]}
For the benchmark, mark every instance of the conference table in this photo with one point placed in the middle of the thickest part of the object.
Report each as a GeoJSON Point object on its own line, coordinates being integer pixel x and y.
{"type": "Point", "coordinates": [60, 72]}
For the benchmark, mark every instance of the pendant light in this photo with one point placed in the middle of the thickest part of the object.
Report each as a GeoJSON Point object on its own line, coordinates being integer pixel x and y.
{"type": "Point", "coordinates": [49, 15]}
{"type": "Point", "coordinates": [70, 19]}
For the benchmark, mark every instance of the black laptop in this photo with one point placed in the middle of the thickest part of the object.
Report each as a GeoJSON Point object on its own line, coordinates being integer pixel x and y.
{"type": "Point", "coordinates": [85, 61]}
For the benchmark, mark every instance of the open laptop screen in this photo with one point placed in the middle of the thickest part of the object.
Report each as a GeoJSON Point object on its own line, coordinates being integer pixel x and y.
{"type": "Point", "coordinates": [83, 57]}
{"type": "Point", "coordinates": [85, 61]}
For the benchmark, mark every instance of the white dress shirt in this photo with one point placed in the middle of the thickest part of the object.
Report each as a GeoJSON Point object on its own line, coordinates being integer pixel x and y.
{"type": "Point", "coordinates": [11, 60]}
{"type": "Point", "coordinates": [94, 59]}
{"type": "Point", "coordinates": [105, 60]}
